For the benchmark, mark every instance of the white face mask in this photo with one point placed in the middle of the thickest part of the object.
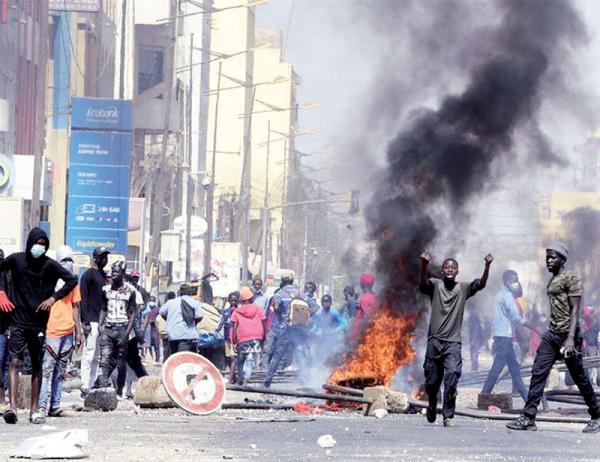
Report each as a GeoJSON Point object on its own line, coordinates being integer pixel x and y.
{"type": "Point", "coordinates": [37, 250]}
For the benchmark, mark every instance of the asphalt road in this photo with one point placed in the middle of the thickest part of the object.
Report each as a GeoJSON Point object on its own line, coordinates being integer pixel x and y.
{"type": "Point", "coordinates": [172, 435]}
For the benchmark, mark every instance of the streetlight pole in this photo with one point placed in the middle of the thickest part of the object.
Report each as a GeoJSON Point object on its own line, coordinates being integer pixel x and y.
{"type": "Point", "coordinates": [211, 188]}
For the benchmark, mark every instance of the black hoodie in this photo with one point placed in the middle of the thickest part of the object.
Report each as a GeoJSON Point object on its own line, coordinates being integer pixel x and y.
{"type": "Point", "coordinates": [33, 281]}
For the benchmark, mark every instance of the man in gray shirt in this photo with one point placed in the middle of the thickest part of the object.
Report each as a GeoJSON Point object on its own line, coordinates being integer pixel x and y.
{"type": "Point", "coordinates": [182, 332]}
{"type": "Point", "coordinates": [443, 360]}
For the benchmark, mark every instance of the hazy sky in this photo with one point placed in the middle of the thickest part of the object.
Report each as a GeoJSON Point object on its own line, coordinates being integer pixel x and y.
{"type": "Point", "coordinates": [338, 60]}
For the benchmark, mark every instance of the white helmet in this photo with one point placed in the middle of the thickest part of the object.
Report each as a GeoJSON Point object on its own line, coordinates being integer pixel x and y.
{"type": "Point", "coordinates": [64, 251]}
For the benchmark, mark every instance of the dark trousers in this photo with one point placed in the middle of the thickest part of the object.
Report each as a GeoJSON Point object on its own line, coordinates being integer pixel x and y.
{"type": "Point", "coordinates": [443, 363]}
{"type": "Point", "coordinates": [133, 359]}
{"type": "Point", "coordinates": [183, 345]}
{"type": "Point", "coordinates": [547, 354]}
{"type": "Point", "coordinates": [504, 355]}
{"type": "Point", "coordinates": [112, 352]}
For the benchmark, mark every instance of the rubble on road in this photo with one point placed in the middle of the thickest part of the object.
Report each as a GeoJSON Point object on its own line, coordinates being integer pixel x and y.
{"type": "Point", "coordinates": [326, 441]}
{"type": "Point", "coordinates": [101, 399]}
{"type": "Point", "coordinates": [150, 393]}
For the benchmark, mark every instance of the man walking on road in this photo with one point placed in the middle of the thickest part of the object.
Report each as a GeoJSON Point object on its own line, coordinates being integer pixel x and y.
{"type": "Point", "coordinates": [92, 282]}
{"type": "Point", "coordinates": [33, 278]}
{"type": "Point", "coordinates": [562, 341]}
{"type": "Point", "coordinates": [506, 317]}
{"type": "Point", "coordinates": [115, 323]}
{"type": "Point", "coordinates": [443, 361]}
{"type": "Point", "coordinates": [182, 314]}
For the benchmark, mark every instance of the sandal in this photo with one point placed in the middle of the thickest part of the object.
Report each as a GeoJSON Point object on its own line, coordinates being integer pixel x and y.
{"type": "Point", "coordinates": [37, 418]}
{"type": "Point", "coordinates": [58, 412]}
{"type": "Point", "coordinates": [10, 416]}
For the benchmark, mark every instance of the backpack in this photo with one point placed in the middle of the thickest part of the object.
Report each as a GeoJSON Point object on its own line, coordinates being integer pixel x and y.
{"type": "Point", "coordinates": [299, 312]}
{"type": "Point", "coordinates": [188, 313]}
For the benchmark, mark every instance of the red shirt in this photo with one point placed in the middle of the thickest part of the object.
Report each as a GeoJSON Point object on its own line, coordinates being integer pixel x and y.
{"type": "Point", "coordinates": [249, 319]}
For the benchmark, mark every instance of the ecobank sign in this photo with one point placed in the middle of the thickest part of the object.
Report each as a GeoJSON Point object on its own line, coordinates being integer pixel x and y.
{"type": "Point", "coordinates": [101, 114]}
{"type": "Point", "coordinates": [99, 173]}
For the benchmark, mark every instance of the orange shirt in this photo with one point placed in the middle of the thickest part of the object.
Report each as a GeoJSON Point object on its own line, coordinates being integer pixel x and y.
{"type": "Point", "coordinates": [61, 321]}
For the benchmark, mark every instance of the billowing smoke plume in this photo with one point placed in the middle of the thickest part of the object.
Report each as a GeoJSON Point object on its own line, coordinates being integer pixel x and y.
{"type": "Point", "coordinates": [446, 157]}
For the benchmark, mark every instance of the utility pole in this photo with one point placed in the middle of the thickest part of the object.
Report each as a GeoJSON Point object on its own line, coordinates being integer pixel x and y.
{"type": "Point", "coordinates": [305, 245]}
{"type": "Point", "coordinates": [207, 6]}
{"type": "Point", "coordinates": [265, 218]}
{"type": "Point", "coordinates": [283, 199]}
{"type": "Point", "coordinates": [211, 189]}
{"type": "Point", "coordinates": [189, 193]}
{"type": "Point", "coordinates": [159, 193]}
{"type": "Point", "coordinates": [245, 193]}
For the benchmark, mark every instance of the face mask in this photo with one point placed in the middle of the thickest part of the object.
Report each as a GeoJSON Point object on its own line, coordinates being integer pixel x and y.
{"type": "Point", "coordinates": [516, 289]}
{"type": "Point", "coordinates": [68, 265]}
{"type": "Point", "coordinates": [37, 250]}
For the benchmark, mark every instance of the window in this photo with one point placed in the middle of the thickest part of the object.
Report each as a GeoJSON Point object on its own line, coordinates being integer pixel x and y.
{"type": "Point", "coordinates": [150, 70]}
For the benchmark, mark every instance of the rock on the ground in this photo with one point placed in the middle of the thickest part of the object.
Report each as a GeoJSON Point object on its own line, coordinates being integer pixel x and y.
{"type": "Point", "coordinates": [503, 401]}
{"type": "Point", "coordinates": [101, 399]}
{"type": "Point", "coordinates": [397, 402]}
{"type": "Point", "coordinates": [378, 397]}
{"type": "Point", "coordinates": [61, 445]}
{"type": "Point", "coordinates": [24, 397]}
{"type": "Point", "coordinates": [150, 393]}
{"type": "Point", "coordinates": [466, 398]}
{"type": "Point", "coordinates": [326, 441]}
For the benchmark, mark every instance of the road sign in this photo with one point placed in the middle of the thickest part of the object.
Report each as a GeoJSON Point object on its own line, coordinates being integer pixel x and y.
{"type": "Point", "coordinates": [193, 383]}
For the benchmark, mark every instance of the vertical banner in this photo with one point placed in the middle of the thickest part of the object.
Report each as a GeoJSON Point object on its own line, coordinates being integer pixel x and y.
{"type": "Point", "coordinates": [99, 172]}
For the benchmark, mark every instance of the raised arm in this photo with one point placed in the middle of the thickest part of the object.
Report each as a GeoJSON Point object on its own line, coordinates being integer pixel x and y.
{"type": "Point", "coordinates": [486, 271]}
{"type": "Point", "coordinates": [425, 285]}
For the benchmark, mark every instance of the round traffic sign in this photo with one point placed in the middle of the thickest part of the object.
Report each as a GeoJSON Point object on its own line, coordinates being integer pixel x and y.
{"type": "Point", "coordinates": [193, 383]}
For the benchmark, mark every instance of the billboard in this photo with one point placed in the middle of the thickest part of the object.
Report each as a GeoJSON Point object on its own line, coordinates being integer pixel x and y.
{"type": "Point", "coordinates": [99, 173]}
{"type": "Point", "coordinates": [86, 6]}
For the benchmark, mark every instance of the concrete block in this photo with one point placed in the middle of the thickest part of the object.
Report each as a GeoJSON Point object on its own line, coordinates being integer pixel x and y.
{"type": "Point", "coordinates": [503, 401]}
{"type": "Point", "coordinates": [150, 393]}
{"type": "Point", "coordinates": [378, 396]}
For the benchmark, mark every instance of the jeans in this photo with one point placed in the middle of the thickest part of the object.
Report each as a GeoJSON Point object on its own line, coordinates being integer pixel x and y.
{"type": "Point", "coordinates": [4, 361]}
{"type": "Point", "coordinates": [247, 354]}
{"type": "Point", "coordinates": [267, 351]}
{"type": "Point", "coordinates": [443, 362]}
{"type": "Point", "coordinates": [112, 352]}
{"type": "Point", "coordinates": [134, 361]}
{"type": "Point", "coordinates": [281, 346]}
{"type": "Point", "coordinates": [57, 353]}
{"type": "Point", "coordinates": [547, 354]}
{"type": "Point", "coordinates": [504, 355]}
{"type": "Point", "coordinates": [90, 358]}
{"type": "Point", "coordinates": [183, 345]}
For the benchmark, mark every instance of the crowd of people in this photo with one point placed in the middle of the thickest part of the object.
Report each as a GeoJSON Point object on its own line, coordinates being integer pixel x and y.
{"type": "Point", "coordinates": [47, 313]}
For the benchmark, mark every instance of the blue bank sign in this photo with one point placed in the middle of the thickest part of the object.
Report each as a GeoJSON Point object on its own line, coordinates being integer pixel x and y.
{"type": "Point", "coordinates": [99, 173]}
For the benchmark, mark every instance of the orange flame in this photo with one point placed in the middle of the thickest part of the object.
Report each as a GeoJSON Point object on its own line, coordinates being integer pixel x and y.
{"type": "Point", "coordinates": [385, 346]}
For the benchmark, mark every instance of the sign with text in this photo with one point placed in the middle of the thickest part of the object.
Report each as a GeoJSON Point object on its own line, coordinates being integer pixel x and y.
{"type": "Point", "coordinates": [101, 114]}
{"type": "Point", "coordinates": [87, 6]}
{"type": "Point", "coordinates": [99, 173]}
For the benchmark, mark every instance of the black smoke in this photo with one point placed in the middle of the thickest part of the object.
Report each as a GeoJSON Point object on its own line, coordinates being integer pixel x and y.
{"type": "Point", "coordinates": [445, 158]}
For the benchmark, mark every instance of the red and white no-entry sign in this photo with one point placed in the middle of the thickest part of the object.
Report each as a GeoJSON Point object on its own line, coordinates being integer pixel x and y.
{"type": "Point", "coordinates": [193, 383]}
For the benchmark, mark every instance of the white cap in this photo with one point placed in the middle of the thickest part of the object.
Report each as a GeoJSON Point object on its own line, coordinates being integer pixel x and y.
{"type": "Point", "coordinates": [64, 251]}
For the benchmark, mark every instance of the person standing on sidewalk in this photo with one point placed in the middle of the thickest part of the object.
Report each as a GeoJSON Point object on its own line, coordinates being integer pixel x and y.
{"type": "Point", "coordinates": [563, 340]}
{"type": "Point", "coordinates": [248, 329]}
{"type": "Point", "coordinates": [443, 361]}
{"type": "Point", "coordinates": [506, 317]}
{"type": "Point", "coordinates": [92, 282]}
{"type": "Point", "coordinates": [33, 281]}
{"type": "Point", "coordinates": [63, 336]}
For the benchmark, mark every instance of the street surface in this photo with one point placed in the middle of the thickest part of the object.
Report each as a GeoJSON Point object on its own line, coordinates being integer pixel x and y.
{"type": "Point", "coordinates": [172, 435]}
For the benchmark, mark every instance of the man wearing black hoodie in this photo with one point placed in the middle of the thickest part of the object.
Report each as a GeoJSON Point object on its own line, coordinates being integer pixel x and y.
{"type": "Point", "coordinates": [34, 277]}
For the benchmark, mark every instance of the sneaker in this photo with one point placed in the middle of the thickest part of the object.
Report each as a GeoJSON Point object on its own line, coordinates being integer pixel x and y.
{"type": "Point", "coordinates": [38, 417]}
{"type": "Point", "coordinates": [522, 423]}
{"type": "Point", "coordinates": [56, 412]}
{"type": "Point", "coordinates": [593, 426]}
{"type": "Point", "coordinates": [449, 423]}
{"type": "Point", "coordinates": [431, 413]}
{"type": "Point", "coordinates": [10, 416]}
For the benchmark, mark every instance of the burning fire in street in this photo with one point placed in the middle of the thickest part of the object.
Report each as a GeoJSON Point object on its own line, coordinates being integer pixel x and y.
{"type": "Point", "coordinates": [384, 347]}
